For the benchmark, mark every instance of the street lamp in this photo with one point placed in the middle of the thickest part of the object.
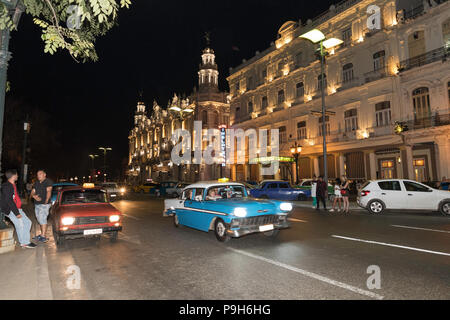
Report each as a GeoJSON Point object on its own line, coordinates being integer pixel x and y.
{"type": "Point", "coordinates": [105, 150]}
{"type": "Point", "coordinates": [296, 151]}
{"type": "Point", "coordinates": [316, 36]}
{"type": "Point", "coordinates": [93, 156]}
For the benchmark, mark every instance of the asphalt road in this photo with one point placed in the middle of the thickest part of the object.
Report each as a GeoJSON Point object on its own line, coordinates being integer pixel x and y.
{"type": "Point", "coordinates": [322, 256]}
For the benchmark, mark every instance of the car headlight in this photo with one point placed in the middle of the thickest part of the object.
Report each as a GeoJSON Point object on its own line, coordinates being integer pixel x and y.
{"type": "Point", "coordinates": [122, 190]}
{"type": "Point", "coordinates": [68, 221]}
{"type": "Point", "coordinates": [286, 206]}
{"type": "Point", "coordinates": [240, 212]}
{"type": "Point", "coordinates": [114, 218]}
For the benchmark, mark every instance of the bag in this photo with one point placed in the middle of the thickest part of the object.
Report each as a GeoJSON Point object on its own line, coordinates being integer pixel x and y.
{"type": "Point", "coordinates": [344, 192]}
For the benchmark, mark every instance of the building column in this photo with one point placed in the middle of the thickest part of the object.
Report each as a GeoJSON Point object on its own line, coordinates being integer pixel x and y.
{"type": "Point", "coordinates": [246, 171]}
{"type": "Point", "coordinates": [407, 162]}
{"type": "Point", "coordinates": [294, 173]}
{"type": "Point", "coordinates": [316, 166]}
{"type": "Point", "coordinates": [233, 172]}
{"type": "Point", "coordinates": [342, 164]}
{"type": "Point", "coordinates": [373, 166]}
{"type": "Point", "coordinates": [443, 146]}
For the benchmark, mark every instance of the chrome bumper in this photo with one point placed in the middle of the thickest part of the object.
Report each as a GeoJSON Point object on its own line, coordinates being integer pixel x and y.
{"type": "Point", "coordinates": [242, 231]}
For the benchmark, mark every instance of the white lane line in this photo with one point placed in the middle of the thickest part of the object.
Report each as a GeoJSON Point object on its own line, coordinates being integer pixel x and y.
{"type": "Point", "coordinates": [131, 217]}
{"type": "Point", "coordinates": [393, 245]}
{"type": "Point", "coordinates": [311, 275]}
{"type": "Point", "coordinates": [296, 220]}
{"type": "Point", "coordinates": [416, 228]}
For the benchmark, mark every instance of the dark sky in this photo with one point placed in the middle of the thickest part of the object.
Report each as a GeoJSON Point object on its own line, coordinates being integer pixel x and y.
{"type": "Point", "coordinates": [155, 48]}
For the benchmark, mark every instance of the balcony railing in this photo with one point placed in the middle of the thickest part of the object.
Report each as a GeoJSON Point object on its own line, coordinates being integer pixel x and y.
{"type": "Point", "coordinates": [376, 75]}
{"type": "Point", "coordinates": [344, 85]}
{"type": "Point", "coordinates": [436, 120]}
{"type": "Point", "coordinates": [432, 56]}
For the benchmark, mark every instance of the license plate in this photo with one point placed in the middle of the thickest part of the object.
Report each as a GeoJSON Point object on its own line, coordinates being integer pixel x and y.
{"type": "Point", "coordinates": [113, 195]}
{"type": "Point", "coordinates": [93, 231]}
{"type": "Point", "coordinates": [266, 228]}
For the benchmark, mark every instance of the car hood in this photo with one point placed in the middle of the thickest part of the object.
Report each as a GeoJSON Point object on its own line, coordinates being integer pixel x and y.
{"type": "Point", "coordinates": [87, 210]}
{"type": "Point", "coordinates": [254, 207]}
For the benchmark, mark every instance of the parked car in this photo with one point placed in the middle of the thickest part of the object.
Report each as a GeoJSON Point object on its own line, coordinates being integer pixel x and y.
{"type": "Point", "coordinates": [180, 187]}
{"type": "Point", "coordinates": [168, 188]}
{"type": "Point", "coordinates": [306, 184]}
{"type": "Point", "coordinates": [148, 187]}
{"type": "Point", "coordinates": [227, 209]}
{"type": "Point", "coordinates": [58, 187]}
{"type": "Point", "coordinates": [400, 194]}
{"type": "Point", "coordinates": [273, 189]}
{"type": "Point", "coordinates": [81, 212]}
{"type": "Point", "coordinates": [113, 189]}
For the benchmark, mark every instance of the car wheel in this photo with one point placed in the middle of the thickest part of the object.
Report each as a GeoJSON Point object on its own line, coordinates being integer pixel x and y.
{"type": "Point", "coordinates": [113, 237]}
{"type": "Point", "coordinates": [220, 229]}
{"type": "Point", "coordinates": [176, 223]}
{"type": "Point", "coordinates": [445, 208]}
{"type": "Point", "coordinates": [375, 207]}
{"type": "Point", "coordinates": [301, 197]}
{"type": "Point", "coordinates": [273, 233]}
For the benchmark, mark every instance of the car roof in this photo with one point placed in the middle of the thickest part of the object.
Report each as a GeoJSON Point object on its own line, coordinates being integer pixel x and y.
{"type": "Point", "coordinates": [74, 188]}
{"type": "Point", "coordinates": [208, 184]}
{"type": "Point", "coordinates": [58, 184]}
{"type": "Point", "coordinates": [280, 181]}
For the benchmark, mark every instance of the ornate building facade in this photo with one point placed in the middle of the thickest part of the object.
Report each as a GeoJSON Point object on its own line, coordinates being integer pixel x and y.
{"type": "Point", "coordinates": [397, 71]}
{"type": "Point", "coordinates": [150, 143]}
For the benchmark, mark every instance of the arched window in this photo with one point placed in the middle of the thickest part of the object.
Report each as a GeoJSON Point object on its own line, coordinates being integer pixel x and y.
{"type": "Point", "coordinates": [446, 32]}
{"type": "Point", "coordinates": [421, 103]}
{"type": "Point", "coordinates": [300, 89]}
{"type": "Point", "coordinates": [319, 82]}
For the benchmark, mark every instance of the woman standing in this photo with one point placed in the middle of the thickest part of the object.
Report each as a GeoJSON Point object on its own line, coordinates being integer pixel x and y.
{"type": "Point", "coordinates": [314, 191]}
{"type": "Point", "coordinates": [337, 195]}
{"type": "Point", "coordinates": [345, 190]}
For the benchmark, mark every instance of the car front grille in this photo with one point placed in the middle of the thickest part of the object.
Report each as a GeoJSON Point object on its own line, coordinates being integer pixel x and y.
{"type": "Point", "coordinates": [258, 221]}
{"type": "Point", "coordinates": [91, 220]}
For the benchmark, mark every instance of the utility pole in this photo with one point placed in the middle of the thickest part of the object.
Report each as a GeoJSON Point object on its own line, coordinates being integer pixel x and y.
{"type": "Point", "coordinates": [23, 173]}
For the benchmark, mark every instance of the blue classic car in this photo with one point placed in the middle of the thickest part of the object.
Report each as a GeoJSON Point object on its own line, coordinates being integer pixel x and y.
{"type": "Point", "coordinates": [271, 189]}
{"type": "Point", "coordinates": [226, 209]}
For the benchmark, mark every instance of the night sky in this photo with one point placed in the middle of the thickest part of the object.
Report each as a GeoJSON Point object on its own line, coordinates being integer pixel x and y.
{"type": "Point", "coordinates": [156, 49]}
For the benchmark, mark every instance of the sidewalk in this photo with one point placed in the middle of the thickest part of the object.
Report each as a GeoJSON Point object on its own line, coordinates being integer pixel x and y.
{"type": "Point", "coordinates": [24, 273]}
{"type": "Point", "coordinates": [308, 204]}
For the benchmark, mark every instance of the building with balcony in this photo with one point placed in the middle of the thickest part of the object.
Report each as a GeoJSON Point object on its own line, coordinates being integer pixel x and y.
{"type": "Point", "coordinates": [150, 144]}
{"type": "Point", "coordinates": [393, 66]}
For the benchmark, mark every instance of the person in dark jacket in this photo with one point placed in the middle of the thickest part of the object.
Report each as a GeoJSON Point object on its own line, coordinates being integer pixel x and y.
{"type": "Point", "coordinates": [11, 206]}
{"type": "Point", "coordinates": [321, 193]}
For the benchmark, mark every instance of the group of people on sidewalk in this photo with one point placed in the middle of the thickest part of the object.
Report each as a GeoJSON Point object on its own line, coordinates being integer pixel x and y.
{"type": "Point", "coordinates": [11, 206]}
{"type": "Point", "coordinates": [319, 193]}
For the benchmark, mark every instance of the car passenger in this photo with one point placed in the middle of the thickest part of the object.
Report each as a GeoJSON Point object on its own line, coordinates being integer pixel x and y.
{"type": "Point", "coordinates": [212, 194]}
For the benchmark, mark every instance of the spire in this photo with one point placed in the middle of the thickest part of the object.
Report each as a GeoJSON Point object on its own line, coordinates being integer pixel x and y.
{"type": "Point", "coordinates": [208, 74]}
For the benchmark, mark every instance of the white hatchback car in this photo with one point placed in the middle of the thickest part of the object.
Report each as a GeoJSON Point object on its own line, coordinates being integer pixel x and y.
{"type": "Point", "coordinates": [400, 194]}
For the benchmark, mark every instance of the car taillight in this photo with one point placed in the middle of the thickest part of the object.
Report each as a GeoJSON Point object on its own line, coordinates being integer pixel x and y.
{"type": "Point", "coordinates": [364, 193]}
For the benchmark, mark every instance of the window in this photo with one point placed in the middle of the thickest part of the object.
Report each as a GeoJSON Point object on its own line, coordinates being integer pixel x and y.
{"type": "Point", "coordinates": [351, 120]}
{"type": "Point", "coordinates": [238, 87]}
{"type": "Point", "coordinates": [238, 112]}
{"type": "Point", "coordinates": [347, 72]}
{"type": "Point", "coordinates": [390, 185]}
{"type": "Point", "coordinates": [300, 90]}
{"type": "Point", "coordinates": [264, 75]}
{"type": "Point", "coordinates": [415, 187]}
{"type": "Point", "coordinates": [298, 60]}
{"type": "Point", "coordinates": [281, 97]}
{"type": "Point", "coordinates": [284, 186]}
{"type": "Point", "coordinates": [327, 126]}
{"type": "Point", "coordinates": [205, 116]}
{"type": "Point", "coordinates": [319, 82]}
{"type": "Point", "coordinates": [383, 113]}
{"type": "Point", "coordinates": [85, 196]}
{"type": "Point", "coordinates": [215, 119]}
{"type": "Point", "coordinates": [264, 102]}
{"type": "Point", "coordinates": [421, 102]}
{"type": "Point", "coordinates": [272, 186]}
{"type": "Point", "coordinates": [446, 33]}
{"type": "Point", "coordinates": [379, 60]}
{"type": "Point", "coordinates": [301, 130]}
{"type": "Point", "coordinates": [347, 36]}
{"type": "Point", "coordinates": [250, 83]}
{"type": "Point", "coordinates": [282, 132]}
{"type": "Point", "coordinates": [250, 107]}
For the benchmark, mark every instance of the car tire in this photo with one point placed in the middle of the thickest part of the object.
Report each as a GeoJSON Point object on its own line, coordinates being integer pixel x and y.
{"type": "Point", "coordinates": [376, 207]}
{"type": "Point", "coordinates": [272, 234]}
{"type": "Point", "coordinates": [445, 208]}
{"type": "Point", "coordinates": [301, 197]}
{"type": "Point", "coordinates": [220, 230]}
{"type": "Point", "coordinates": [176, 223]}
{"type": "Point", "coordinates": [114, 235]}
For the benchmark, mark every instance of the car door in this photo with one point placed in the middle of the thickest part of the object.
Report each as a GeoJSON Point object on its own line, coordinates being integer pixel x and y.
{"type": "Point", "coordinates": [194, 215]}
{"type": "Point", "coordinates": [419, 196]}
{"type": "Point", "coordinates": [285, 191]}
{"type": "Point", "coordinates": [392, 194]}
{"type": "Point", "coordinates": [271, 190]}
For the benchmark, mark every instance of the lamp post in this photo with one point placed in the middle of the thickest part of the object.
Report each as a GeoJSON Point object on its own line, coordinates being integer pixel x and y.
{"type": "Point", "coordinates": [105, 150]}
{"type": "Point", "coordinates": [23, 171]}
{"type": "Point", "coordinates": [15, 9]}
{"type": "Point", "coordinates": [316, 36]}
{"type": "Point", "coordinates": [296, 151]}
{"type": "Point", "coordinates": [93, 156]}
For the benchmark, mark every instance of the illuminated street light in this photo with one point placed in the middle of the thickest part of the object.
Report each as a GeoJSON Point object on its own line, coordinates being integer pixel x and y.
{"type": "Point", "coordinates": [296, 150]}
{"type": "Point", "coordinates": [316, 36]}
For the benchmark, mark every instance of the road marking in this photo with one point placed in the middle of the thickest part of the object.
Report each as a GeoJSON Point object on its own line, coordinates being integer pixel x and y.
{"type": "Point", "coordinates": [296, 220]}
{"type": "Point", "coordinates": [311, 275]}
{"type": "Point", "coordinates": [131, 217]}
{"type": "Point", "coordinates": [416, 228]}
{"type": "Point", "coordinates": [393, 245]}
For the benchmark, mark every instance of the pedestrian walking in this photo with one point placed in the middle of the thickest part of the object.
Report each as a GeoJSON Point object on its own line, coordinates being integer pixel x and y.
{"type": "Point", "coordinates": [337, 195]}
{"type": "Point", "coordinates": [11, 206]}
{"type": "Point", "coordinates": [322, 192]}
{"type": "Point", "coordinates": [41, 193]}
{"type": "Point", "coordinates": [345, 191]}
{"type": "Point", "coordinates": [314, 191]}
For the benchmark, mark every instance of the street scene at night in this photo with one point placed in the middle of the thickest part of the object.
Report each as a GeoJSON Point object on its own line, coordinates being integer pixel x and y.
{"type": "Point", "coordinates": [244, 154]}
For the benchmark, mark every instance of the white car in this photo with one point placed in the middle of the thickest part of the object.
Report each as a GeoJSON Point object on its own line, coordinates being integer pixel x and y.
{"type": "Point", "coordinates": [400, 194]}
{"type": "Point", "coordinates": [114, 191]}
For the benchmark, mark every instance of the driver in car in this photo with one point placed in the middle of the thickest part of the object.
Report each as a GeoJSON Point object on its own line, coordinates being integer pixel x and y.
{"type": "Point", "coordinates": [212, 194]}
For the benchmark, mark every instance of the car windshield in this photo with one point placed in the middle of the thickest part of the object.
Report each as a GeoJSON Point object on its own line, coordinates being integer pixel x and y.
{"type": "Point", "coordinates": [226, 192]}
{"type": "Point", "coordinates": [83, 196]}
{"type": "Point", "coordinates": [56, 189]}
